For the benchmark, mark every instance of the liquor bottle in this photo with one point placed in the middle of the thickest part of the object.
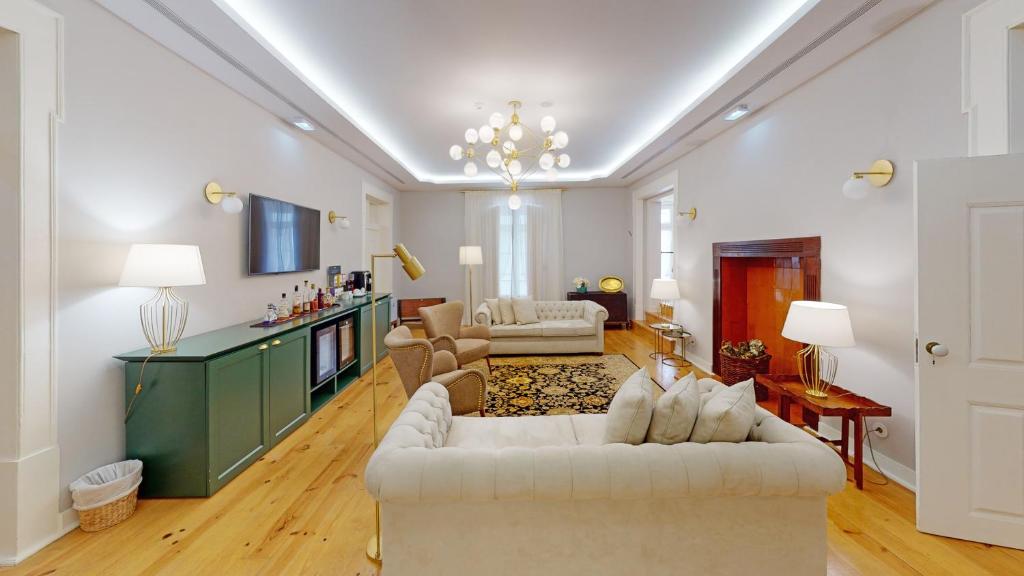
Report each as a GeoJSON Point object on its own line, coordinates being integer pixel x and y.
{"type": "Point", "coordinates": [314, 304]}
{"type": "Point", "coordinates": [305, 297]}
{"type": "Point", "coordinates": [320, 298]}
{"type": "Point", "coordinates": [270, 316]}
{"type": "Point", "coordinates": [297, 302]}
{"type": "Point", "coordinates": [284, 309]}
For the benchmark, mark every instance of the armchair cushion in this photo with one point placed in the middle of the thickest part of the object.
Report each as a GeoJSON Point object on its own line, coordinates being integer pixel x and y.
{"type": "Point", "coordinates": [471, 349]}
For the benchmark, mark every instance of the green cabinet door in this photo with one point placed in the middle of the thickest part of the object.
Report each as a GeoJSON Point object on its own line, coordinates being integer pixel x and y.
{"type": "Point", "coordinates": [238, 412]}
{"type": "Point", "coordinates": [383, 326]}
{"type": "Point", "coordinates": [365, 340]}
{"type": "Point", "coordinates": [289, 383]}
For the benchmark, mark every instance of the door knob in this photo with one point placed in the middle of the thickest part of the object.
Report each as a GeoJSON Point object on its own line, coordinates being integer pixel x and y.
{"type": "Point", "coordinates": [263, 347]}
{"type": "Point", "coordinates": [936, 350]}
{"type": "Point", "coordinates": [275, 343]}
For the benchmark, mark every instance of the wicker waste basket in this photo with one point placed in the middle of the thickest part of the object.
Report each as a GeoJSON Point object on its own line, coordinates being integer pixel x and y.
{"type": "Point", "coordinates": [107, 496]}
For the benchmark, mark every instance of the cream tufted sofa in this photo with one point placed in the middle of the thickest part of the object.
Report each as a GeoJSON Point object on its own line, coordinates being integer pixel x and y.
{"type": "Point", "coordinates": [543, 495]}
{"type": "Point", "coordinates": [564, 328]}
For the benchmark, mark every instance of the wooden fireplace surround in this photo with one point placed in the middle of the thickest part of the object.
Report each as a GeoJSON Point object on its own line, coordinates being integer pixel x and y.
{"type": "Point", "coordinates": [807, 250]}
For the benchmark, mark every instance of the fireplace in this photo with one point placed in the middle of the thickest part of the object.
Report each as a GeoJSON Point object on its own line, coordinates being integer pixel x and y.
{"type": "Point", "coordinates": [754, 283]}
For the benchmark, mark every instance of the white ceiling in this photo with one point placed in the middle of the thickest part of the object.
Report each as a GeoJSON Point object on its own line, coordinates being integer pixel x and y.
{"type": "Point", "coordinates": [393, 83]}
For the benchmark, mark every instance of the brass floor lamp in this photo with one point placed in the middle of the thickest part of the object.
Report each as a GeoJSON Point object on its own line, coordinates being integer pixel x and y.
{"type": "Point", "coordinates": [414, 270]}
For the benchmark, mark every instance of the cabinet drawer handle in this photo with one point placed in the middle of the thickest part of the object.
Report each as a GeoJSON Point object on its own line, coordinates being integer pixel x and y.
{"type": "Point", "coordinates": [275, 343]}
{"type": "Point", "coordinates": [263, 347]}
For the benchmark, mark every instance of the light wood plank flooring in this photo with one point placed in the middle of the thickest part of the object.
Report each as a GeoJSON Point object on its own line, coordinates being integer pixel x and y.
{"type": "Point", "coordinates": [302, 510]}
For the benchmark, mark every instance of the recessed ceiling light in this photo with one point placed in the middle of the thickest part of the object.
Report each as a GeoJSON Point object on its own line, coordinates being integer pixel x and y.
{"type": "Point", "coordinates": [737, 113]}
{"type": "Point", "coordinates": [303, 124]}
{"type": "Point", "coordinates": [478, 105]}
{"type": "Point", "coordinates": [547, 104]}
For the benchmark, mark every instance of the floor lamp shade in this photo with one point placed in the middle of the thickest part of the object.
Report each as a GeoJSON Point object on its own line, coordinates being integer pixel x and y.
{"type": "Point", "coordinates": [163, 266]}
{"type": "Point", "coordinates": [665, 289]}
{"type": "Point", "coordinates": [471, 255]}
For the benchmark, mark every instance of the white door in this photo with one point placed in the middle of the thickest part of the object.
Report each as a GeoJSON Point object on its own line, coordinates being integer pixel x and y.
{"type": "Point", "coordinates": [970, 300]}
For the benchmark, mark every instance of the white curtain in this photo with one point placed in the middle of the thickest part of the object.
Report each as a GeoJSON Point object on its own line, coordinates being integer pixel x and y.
{"type": "Point", "coordinates": [522, 249]}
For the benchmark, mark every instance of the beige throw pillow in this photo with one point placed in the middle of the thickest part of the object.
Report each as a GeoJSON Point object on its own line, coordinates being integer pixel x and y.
{"type": "Point", "coordinates": [675, 412]}
{"type": "Point", "coordinates": [508, 316]}
{"type": "Point", "coordinates": [526, 310]}
{"type": "Point", "coordinates": [630, 412]}
{"type": "Point", "coordinates": [492, 304]}
{"type": "Point", "coordinates": [726, 415]}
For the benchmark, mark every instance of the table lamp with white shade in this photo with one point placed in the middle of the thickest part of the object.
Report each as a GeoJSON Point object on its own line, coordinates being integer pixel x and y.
{"type": "Point", "coordinates": [665, 289]}
{"type": "Point", "coordinates": [470, 256]}
{"type": "Point", "coordinates": [163, 266]}
{"type": "Point", "coordinates": [818, 324]}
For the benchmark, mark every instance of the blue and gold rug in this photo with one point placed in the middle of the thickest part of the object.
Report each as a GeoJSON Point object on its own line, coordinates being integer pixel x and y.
{"type": "Point", "coordinates": [548, 385]}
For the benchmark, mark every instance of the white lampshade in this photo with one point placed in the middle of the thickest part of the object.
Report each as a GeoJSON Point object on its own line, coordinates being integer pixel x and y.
{"type": "Point", "coordinates": [231, 204]}
{"type": "Point", "coordinates": [665, 289]}
{"type": "Point", "coordinates": [818, 323]}
{"type": "Point", "coordinates": [856, 188]}
{"type": "Point", "coordinates": [163, 265]}
{"type": "Point", "coordinates": [471, 255]}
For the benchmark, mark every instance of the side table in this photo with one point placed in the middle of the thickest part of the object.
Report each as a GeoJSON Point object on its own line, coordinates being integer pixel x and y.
{"type": "Point", "coordinates": [664, 330]}
{"type": "Point", "coordinates": [843, 403]}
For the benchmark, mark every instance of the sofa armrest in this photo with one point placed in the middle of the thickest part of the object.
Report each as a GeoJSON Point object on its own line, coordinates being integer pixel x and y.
{"type": "Point", "coordinates": [594, 313]}
{"type": "Point", "coordinates": [423, 423]}
{"type": "Point", "coordinates": [477, 331]}
{"type": "Point", "coordinates": [444, 342]}
{"type": "Point", "coordinates": [483, 315]}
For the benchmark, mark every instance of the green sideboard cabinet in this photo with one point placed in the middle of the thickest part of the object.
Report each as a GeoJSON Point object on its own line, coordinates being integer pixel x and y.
{"type": "Point", "coordinates": [209, 410]}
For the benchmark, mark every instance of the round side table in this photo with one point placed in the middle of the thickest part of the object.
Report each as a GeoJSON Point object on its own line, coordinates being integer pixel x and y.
{"type": "Point", "coordinates": [682, 336]}
{"type": "Point", "coordinates": [664, 330]}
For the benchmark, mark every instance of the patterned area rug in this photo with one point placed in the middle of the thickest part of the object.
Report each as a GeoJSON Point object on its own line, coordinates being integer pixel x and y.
{"type": "Point", "coordinates": [540, 385]}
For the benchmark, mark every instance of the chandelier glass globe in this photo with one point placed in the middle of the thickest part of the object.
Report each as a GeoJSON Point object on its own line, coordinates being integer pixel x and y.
{"type": "Point", "coordinates": [471, 136]}
{"type": "Point", "coordinates": [508, 147]}
{"type": "Point", "coordinates": [493, 158]}
{"type": "Point", "coordinates": [515, 202]}
{"type": "Point", "coordinates": [470, 169]}
{"type": "Point", "coordinates": [547, 124]}
{"type": "Point", "coordinates": [515, 132]}
{"type": "Point", "coordinates": [515, 168]}
{"type": "Point", "coordinates": [560, 139]}
{"type": "Point", "coordinates": [563, 160]}
{"type": "Point", "coordinates": [546, 161]}
{"type": "Point", "coordinates": [486, 134]}
{"type": "Point", "coordinates": [455, 152]}
{"type": "Point", "coordinates": [496, 121]}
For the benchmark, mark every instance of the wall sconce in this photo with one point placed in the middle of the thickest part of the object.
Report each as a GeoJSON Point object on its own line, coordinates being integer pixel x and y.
{"type": "Point", "coordinates": [691, 214]}
{"type": "Point", "coordinates": [342, 221]}
{"type": "Point", "coordinates": [859, 185]}
{"type": "Point", "coordinates": [229, 201]}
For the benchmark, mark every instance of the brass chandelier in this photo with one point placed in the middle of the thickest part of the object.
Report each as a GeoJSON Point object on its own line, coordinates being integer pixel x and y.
{"type": "Point", "coordinates": [516, 152]}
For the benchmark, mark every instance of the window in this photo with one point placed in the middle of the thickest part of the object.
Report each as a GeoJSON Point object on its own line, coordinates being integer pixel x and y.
{"type": "Point", "coordinates": [513, 268]}
{"type": "Point", "coordinates": [667, 248]}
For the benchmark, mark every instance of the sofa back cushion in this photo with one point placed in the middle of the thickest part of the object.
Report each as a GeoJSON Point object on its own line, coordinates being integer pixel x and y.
{"type": "Point", "coordinates": [492, 304]}
{"type": "Point", "coordinates": [675, 412]}
{"type": "Point", "coordinates": [508, 315]}
{"type": "Point", "coordinates": [526, 310]}
{"type": "Point", "coordinates": [629, 414]}
{"type": "Point", "coordinates": [559, 310]}
{"type": "Point", "coordinates": [727, 414]}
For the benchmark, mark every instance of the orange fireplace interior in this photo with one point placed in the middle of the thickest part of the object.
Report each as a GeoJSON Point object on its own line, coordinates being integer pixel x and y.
{"type": "Point", "coordinates": [756, 293]}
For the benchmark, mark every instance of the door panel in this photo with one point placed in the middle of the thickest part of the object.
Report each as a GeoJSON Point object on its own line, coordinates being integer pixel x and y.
{"type": "Point", "coordinates": [238, 419]}
{"type": "Point", "coordinates": [970, 297]}
{"type": "Point", "coordinates": [365, 340]}
{"type": "Point", "coordinates": [289, 383]}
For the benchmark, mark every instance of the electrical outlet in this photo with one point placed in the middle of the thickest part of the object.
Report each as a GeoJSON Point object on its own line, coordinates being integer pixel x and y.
{"type": "Point", "coordinates": [880, 430]}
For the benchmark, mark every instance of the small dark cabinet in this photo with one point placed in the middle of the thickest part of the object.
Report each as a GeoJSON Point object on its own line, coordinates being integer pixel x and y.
{"type": "Point", "coordinates": [615, 302]}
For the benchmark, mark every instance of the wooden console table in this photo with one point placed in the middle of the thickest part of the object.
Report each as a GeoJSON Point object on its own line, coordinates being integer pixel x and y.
{"type": "Point", "coordinates": [840, 402]}
{"type": "Point", "coordinates": [614, 302]}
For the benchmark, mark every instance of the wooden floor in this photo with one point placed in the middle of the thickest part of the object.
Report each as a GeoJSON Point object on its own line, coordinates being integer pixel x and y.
{"type": "Point", "coordinates": [302, 510]}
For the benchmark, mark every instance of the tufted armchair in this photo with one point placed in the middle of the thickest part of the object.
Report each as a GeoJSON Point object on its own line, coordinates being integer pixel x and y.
{"type": "Point", "coordinates": [417, 363]}
{"type": "Point", "coordinates": [443, 324]}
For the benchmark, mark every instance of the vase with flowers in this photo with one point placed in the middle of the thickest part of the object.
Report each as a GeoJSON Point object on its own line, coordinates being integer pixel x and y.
{"type": "Point", "coordinates": [581, 284]}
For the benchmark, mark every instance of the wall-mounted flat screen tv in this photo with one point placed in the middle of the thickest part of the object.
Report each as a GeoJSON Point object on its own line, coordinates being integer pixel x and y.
{"type": "Point", "coordinates": [283, 237]}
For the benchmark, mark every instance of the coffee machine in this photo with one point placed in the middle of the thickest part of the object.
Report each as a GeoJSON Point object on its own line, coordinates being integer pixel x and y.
{"type": "Point", "coordinates": [360, 279]}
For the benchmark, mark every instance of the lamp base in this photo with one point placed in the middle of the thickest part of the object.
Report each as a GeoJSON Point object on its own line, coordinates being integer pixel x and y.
{"type": "Point", "coordinates": [815, 393]}
{"type": "Point", "coordinates": [163, 320]}
{"type": "Point", "coordinates": [373, 549]}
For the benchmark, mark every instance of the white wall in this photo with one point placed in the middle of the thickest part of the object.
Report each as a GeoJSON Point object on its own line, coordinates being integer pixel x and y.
{"type": "Point", "coordinates": [596, 239]}
{"type": "Point", "coordinates": [779, 172]}
{"type": "Point", "coordinates": [144, 132]}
